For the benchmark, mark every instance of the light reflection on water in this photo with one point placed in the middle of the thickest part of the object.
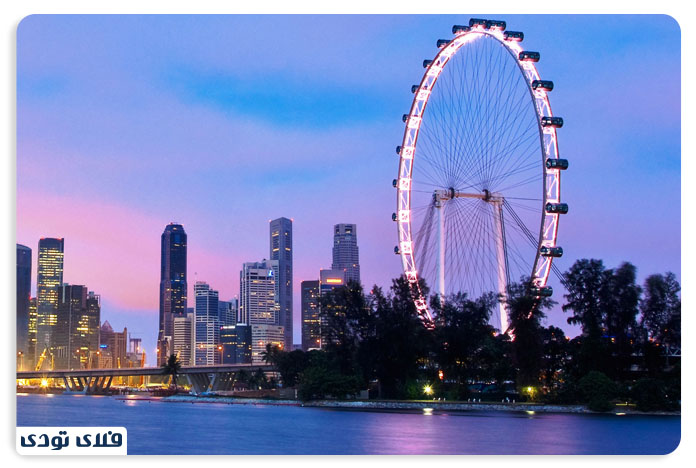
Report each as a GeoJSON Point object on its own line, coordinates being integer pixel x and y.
{"type": "Point", "coordinates": [205, 428]}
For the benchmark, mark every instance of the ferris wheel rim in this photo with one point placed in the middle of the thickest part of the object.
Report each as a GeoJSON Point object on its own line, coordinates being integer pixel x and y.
{"type": "Point", "coordinates": [548, 231]}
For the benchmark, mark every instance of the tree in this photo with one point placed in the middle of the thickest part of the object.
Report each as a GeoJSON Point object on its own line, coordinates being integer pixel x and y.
{"type": "Point", "coordinates": [271, 354]}
{"type": "Point", "coordinates": [395, 340]}
{"type": "Point", "coordinates": [172, 367]}
{"type": "Point", "coordinates": [649, 395]}
{"type": "Point", "coordinates": [584, 283]}
{"type": "Point", "coordinates": [463, 338]}
{"type": "Point", "coordinates": [344, 315]}
{"type": "Point", "coordinates": [660, 309]}
{"type": "Point", "coordinates": [555, 352]}
{"type": "Point", "coordinates": [258, 380]}
{"type": "Point", "coordinates": [290, 366]}
{"type": "Point", "coordinates": [620, 296]}
{"type": "Point", "coordinates": [525, 313]}
{"type": "Point", "coordinates": [322, 378]}
{"type": "Point", "coordinates": [598, 390]}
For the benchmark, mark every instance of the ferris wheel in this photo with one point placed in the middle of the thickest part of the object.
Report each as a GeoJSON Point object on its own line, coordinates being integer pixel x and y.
{"type": "Point", "coordinates": [479, 182]}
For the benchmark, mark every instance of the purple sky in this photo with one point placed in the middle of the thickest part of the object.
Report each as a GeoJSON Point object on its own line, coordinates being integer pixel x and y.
{"type": "Point", "coordinates": [221, 123]}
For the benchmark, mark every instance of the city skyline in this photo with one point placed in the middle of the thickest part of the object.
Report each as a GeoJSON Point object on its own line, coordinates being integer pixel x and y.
{"type": "Point", "coordinates": [288, 152]}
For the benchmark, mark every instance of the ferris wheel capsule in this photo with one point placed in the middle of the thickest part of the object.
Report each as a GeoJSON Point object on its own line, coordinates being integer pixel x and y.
{"type": "Point", "coordinates": [516, 36]}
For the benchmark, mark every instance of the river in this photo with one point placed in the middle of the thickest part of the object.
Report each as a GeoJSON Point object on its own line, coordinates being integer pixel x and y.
{"type": "Point", "coordinates": [156, 427]}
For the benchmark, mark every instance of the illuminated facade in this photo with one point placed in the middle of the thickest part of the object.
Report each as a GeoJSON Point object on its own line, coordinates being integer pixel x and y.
{"type": "Point", "coordinates": [263, 335]}
{"type": "Point", "coordinates": [49, 277]}
{"type": "Point", "coordinates": [281, 250]}
{"type": "Point", "coordinates": [243, 343]}
{"type": "Point", "coordinates": [258, 301]}
{"type": "Point", "coordinates": [31, 336]}
{"type": "Point", "coordinates": [207, 325]}
{"type": "Point", "coordinates": [75, 335]}
{"type": "Point", "coordinates": [345, 251]}
{"type": "Point", "coordinates": [173, 286]}
{"type": "Point", "coordinates": [85, 330]}
{"type": "Point", "coordinates": [311, 337]}
{"type": "Point", "coordinates": [113, 345]}
{"type": "Point", "coordinates": [183, 342]}
{"type": "Point", "coordinates": [236, 343]}
{"type": "Point", "coordinates": [23, 299]}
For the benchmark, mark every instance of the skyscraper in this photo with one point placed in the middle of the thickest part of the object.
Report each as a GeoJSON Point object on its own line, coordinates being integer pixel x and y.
{"type": "Point", "coordinates": [227, 312]}
{"type": "Point", "coordinates": [243, 343]}
{"type": "Point", "coordinates": [23, 298]}
{"type": "Point", "coordinates": [113, 345]}
{"type": "Point", "coordinates": [207, 325]}
{"type": "Point", "coordinates": [311, 337]}
{"type": "Point", "coordinates": [345, 251]}
{"type": "Point", "coordinates": [76, 332]}
{"type": "Point", "coordinates": [258, 305]}
{"type": "Point", "coordinates": [262, 335]}
{"type": "Point", "coordinates": [173, 286]}
{"type": "Point", "coordinates": [49, 277]}
{"type": "Point", "coordinates": [183, 342]}
{"type": "Point", "coordinates": [85, 330]}
{"type": "Point", "coordinates": [258, 302]}
{"type": "Point", "coordinates": [281, 250]}
{"type": "Point", "coordinates": [31, 338]}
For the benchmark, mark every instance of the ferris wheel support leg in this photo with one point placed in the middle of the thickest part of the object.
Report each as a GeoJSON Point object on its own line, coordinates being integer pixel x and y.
{"type": "Point", "coordinates": [440, 250]}
{"type": "Point", "coordinates": [502, 274]}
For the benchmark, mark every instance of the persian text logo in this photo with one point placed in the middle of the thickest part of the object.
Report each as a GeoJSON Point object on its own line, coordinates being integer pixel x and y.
{"type": "Point", "coordinates": [71, 441]}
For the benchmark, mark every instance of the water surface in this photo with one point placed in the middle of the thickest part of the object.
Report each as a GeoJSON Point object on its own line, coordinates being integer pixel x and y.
{"type": "Point", "coordinates": [210, 428]}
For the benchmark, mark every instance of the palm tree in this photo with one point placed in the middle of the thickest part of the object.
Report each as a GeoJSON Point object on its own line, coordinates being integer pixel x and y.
{"type": "Point", "coordinates": [270, 356]}
{"type": "Point", "coordinates": [172, 367]}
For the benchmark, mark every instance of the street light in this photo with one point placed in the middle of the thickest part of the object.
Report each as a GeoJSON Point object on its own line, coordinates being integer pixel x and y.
{"type": "Point", "coordinates": [428, 389]}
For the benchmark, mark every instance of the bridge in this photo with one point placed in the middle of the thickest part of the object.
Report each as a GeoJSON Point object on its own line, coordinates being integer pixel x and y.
{"type": "Point", "coordinates": [203, 378]}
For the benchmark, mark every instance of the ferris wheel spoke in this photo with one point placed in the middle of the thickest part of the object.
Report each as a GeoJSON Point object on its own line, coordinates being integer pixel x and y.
{"type": "Point", "coordinates": [512, 145]}
{"type": "Point", "coordinates": [462, 218]}
{"type": "Point", "coordinates": [521, 183]}
{"type": "Point", "coordinates": [508, 176]}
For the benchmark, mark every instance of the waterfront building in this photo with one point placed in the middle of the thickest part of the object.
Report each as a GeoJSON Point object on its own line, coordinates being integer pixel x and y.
{"type": "Point", "coordinates": [228, 342]}
{"type": "Point", "coordinates": [328, 280]}
{"type": "Point", "coordinates": [30, 360]}
{"type": "Point", "coordinates": [345, 251]}
{"type": "Point", "coordinates": [243, 343]}
{"type": "Point", "coordinates": [258, 301]}
{"type": "Point", "coordinates": [207, 325]}
{"type": "Point", "coordinates": [23, 298]}
{"type": "Point", "coordinates": [113, 346]}
{"type": "Point", "coordinates": [75, 334]}
{"type": "Point", "coordinates": [235, 343]}
{"type": "Point", "coordinates": [173, 286]}
{"type": "Point", "coordinates": [85, 330]}
{"type": "Point", "coordinates": [263, 335]}
{"type": "Point", "coordinates": [183, 342]}
{"type": "Point", "coordinates": [49, 277]}
{"type": "Point", "coordinates": [311, 336]}
{"type": "Point", "coordinates": [281, 250]}
{"type": "Point", "coordinates": [258, 304]}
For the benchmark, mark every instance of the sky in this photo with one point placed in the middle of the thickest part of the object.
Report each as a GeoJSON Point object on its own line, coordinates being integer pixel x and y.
{"type": "Point", "coordinates": [222, 123]}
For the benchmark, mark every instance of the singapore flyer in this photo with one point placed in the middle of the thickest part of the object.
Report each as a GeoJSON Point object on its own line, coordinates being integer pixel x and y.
{"type": "Point", "coordinates": [479, 182]}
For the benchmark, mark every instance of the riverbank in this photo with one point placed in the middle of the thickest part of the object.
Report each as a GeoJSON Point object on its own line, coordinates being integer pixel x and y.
{"type": "Point", "coordinates": [400, 405]}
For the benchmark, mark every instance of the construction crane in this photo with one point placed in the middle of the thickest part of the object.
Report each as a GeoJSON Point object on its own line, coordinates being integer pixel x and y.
{"type": "Point", "coordinates": [40, 362]}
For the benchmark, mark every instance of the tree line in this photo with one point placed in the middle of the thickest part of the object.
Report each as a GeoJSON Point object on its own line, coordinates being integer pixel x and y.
{"type": "Point", "coordinates": [625, 352]}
